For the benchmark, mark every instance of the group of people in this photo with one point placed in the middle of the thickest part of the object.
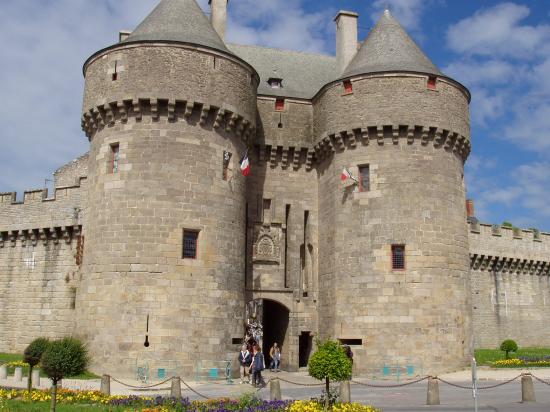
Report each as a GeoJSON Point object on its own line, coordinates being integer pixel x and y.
{"type": "Point", "coordinates": [252, 362]}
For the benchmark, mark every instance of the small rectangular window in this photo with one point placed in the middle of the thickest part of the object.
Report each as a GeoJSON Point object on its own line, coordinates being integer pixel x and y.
{"type": "Point", "coordinates": [190, 244]}
{"type": "Point", "coordinates": [398, 257]}
{"type": "Point", "coordinates": [279, 105]}
{"type": "Point", "coordinates": [348, 87]}
{"type": "Point", "coordinates": [236, 341]}
{"type": "Point", "coordinates": [364, 178]}
{"type": "Point", "coordinates": [351, 342]}
{"type": "Point", "coordinates": [226, 162]}
{"type": "Point", "coordinates": [115, 74]}
{"type": "Point", "coordinates": [115, 157]}
{"type": "Point", "coordinates": [432, 83]}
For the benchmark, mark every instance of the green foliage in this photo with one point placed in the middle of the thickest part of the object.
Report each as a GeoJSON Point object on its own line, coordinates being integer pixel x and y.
{"type": "Point", "coordinates": [64, 358]}
{"type": "Point", "coordinates": [329, 361]}
{"type": "Point", "coordinates": [34, 351]}
{"type": "Point", "coordinates": [508, 346]}
{"type": "Point", "coordinates": [507, 224]}
{"type": "Point", "coordinates": [487, 357]}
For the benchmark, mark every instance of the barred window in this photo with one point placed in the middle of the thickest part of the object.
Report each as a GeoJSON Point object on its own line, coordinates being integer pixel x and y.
{"type": "Point", "coordinates": [398, 257]}
{"type": "Point", "coordinates": [364, 178]}
{"type": "Point", "coordinates": [190, 244]}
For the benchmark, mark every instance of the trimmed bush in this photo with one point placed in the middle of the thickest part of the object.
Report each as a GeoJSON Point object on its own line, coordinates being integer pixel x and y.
{"type": "Point", "coordinates": [32, 355]}
{"type": "Point", "coordinates": [64, 358]}
{"type": "Point", "coordinates": [508, 346]}
{"type": "Point", "coordinates": [329, 362]}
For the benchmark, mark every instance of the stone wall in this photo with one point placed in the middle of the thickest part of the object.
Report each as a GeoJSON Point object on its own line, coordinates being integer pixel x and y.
{"type": "Point", "coordinates": [510, 272]}
{"type": "Point", "coordinates": [70, 174]}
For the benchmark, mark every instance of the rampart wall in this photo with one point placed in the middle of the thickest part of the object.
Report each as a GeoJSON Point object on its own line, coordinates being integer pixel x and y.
{"type": "Point", "coordinates": [510, 280]}
{"type": "Point", "coordinates": [40, 252]}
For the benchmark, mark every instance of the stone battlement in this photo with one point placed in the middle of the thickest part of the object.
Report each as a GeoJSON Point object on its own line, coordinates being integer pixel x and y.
{"type": "Point", "coordinates": [391, 134]}
{"type": "Point", "coordinates": [495, 247]}
{"type": "Point", "coordinates": [285, 156]}
{"type": "Point", "coordinates": [33, 236]}
{"type": "Point", "coordinates": [41, 195]}
{"type": "Point", "coordinates": [207, 115]}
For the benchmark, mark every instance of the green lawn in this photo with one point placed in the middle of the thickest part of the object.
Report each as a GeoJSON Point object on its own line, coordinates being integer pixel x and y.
{"type": "Point", "coordinates": [485, 356]}
{"type": "Point", "coordinates": [11, 357]}
{"type": "Point", "coordinates": [17, 406]}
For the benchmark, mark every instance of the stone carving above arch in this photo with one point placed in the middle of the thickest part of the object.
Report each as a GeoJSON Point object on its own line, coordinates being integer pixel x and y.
{"type": "Point", "coordinates": [267, 244]}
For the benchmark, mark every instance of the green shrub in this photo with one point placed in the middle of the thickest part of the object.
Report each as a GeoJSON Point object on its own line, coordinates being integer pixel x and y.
{"type": "Point", "coordinates": [64, 358]}
{"type": "Point", "coordinates": [33, 354]}
{"type": "Point", "coordinates": [508, 346]}
{"type": "Point", "coordinates": [328, 363]}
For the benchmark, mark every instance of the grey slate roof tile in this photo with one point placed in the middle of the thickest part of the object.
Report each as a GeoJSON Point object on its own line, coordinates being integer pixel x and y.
{"type": "Point", "coordinates": [303, 74]}
{"type": "Point", "coordinates": [388, 48]}
{"type": "Point", "coordinates": [179, 21]}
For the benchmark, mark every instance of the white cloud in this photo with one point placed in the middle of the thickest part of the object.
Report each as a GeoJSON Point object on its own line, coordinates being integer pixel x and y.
{"type": "Point", "coordinates": [475, 73]}
{"type": "Point", "coordinates": [497, 31]}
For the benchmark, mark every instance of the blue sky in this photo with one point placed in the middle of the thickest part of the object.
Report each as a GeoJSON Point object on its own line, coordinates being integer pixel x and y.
{"type": "Point", "coordinates": [500, 50]}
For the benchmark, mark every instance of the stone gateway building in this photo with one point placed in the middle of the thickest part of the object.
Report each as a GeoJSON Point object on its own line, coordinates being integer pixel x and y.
{"type": "Point", "coordinates": [351, 224]}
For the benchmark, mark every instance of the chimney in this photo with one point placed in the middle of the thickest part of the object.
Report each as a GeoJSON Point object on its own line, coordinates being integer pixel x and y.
{"type": "Point", "coordinates": [218, 16]}
{"type": "Point", "coordinates": [346, 38]}
{"type": "Point", "coordinates": [470, 212]}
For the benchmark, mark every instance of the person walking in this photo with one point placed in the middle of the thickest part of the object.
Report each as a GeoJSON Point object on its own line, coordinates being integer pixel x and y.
{"type": "Point", "coordinates": [257, 366]}
{"type": "Point", "coordinates": [275, 355]}
{"type": "Point", "coordinates": [349, 354]}
{"type": "Point", "coordinates": [245, 359]}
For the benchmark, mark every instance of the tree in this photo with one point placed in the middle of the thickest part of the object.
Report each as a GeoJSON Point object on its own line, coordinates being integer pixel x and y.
{"type": "Point", "coordinates": [328, 363]}
{"type": "Point", "coordinates": [33, 354]}
{"type": "Point", "coordinates": [64, 358]}
{"type": "Point", "coordinates": [508, 346]}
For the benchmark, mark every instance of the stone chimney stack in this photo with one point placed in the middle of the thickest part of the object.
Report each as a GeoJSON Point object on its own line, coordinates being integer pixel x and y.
{"type": "Point", "coordinates": [218, 9]}
{"type": "Point", "coordinates": [470, 211]}
{"type": "Point", "coordinates": [346, 37]}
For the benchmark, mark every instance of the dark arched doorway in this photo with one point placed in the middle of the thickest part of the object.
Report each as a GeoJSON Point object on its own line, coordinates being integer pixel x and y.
{"type": "Point", "coordinates": [275, 329]}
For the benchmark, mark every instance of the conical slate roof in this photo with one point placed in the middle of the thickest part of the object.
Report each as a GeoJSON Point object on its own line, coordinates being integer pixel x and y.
{"type": "Point", "coordinates": [179, 21]}
{"type": "Point", "coordinates": [388, 48]}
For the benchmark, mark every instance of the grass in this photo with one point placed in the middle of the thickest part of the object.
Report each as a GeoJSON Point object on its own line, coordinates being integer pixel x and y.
{"type": "Point", "coordinates": [487, 356]}
{"type": "Point", "coordinates": [21, 406]}
{"type": "Point", "coordinates": [12, 357]}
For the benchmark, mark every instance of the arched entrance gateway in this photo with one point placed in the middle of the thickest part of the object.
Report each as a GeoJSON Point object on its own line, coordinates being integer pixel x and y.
{"type": "Point", "coordinates": [269, 319]}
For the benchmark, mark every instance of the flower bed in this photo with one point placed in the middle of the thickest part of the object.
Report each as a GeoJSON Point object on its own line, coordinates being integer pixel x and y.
{"type": "Point", "coordinates": [521, 363]}
{"type": "Point", "coordinates": [162, 404]}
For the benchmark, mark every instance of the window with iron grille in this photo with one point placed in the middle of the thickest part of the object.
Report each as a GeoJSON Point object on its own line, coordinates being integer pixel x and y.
{"type": "Point", "coordinates": [364, 178]}
{"type": "Point", "coordinates": [190, 244]}
{"type": "Point", "coordinates": [398, 257]}
{"type": "Point", "coordinates": [115, 157]}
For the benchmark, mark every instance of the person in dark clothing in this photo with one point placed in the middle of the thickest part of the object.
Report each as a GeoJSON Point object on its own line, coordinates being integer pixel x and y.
{"type": "Point", "coordinates": [257, 367]}
{"type": "Point", "coordinates": [349, 354]}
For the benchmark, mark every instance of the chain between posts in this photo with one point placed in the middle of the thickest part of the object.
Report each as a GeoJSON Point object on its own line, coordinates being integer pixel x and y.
{"type": "Point", "coordinates": [398, 385]}
{"type": "Point", "coordinates": [540, 380]}
{"type": "Point", "coordinates": [479, 388]}
{"type": "Point", "coordinates": [297, 383]}
{"type": "Point", "coordinates": [141, 387]}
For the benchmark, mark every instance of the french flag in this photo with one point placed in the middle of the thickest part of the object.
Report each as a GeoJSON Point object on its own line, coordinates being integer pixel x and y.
{"type": "Point", "coordinates": [346, 174]}
{"type": "Point", "coordinates": [245, 165]}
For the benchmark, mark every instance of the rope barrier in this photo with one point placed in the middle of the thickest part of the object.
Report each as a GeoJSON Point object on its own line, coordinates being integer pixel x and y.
{"type": "Point", "coordinates": [193, 390]}
{"type": "Point", "coordinates": [141, 387]}
{"type": "Point", "coordinates": [370, 385]}
{"type": "Point", "coordinates": [479, 388]}
{"type": "Point", "coordinates": [540, 380]}
{"type": "Point", "coordinates": [297, 383]}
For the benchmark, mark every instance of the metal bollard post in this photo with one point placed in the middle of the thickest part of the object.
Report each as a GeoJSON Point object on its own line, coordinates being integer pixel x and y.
{"type": "Point", "coordinates": [345, 392]}
{"type": "Point", "coordinates": [35, 378]}
{"type": "Point", "coordinates": [433, 392]}
{"type": "Point", "coordinates": [527, 389]}
{"type": "Point", "coordinates": [175, 389]}
{"type": "Point", "coordinates": [3, 372]}
{"type": "Point", "coordinates": [18, 374]}
{"type": "Point", "coordinates": [105, 388]}
{"type": "Point", "coordinates": [275, 390]}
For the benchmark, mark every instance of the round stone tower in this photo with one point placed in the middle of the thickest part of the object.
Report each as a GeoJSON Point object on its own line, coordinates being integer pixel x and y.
{"type": "Point", "coordinates": [169, 112]}
{"type": "Point", "coordinates": [393, 246]}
